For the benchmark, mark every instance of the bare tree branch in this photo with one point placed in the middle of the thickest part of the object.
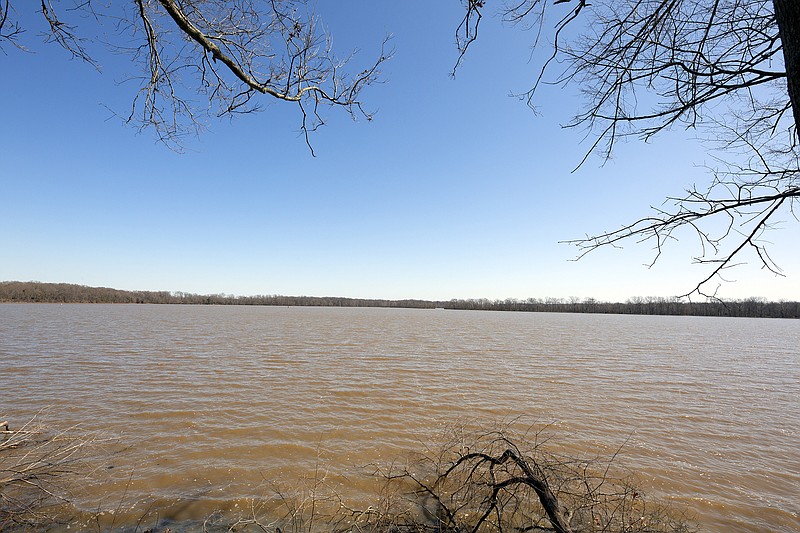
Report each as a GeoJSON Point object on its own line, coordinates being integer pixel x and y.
{"type": "Point", "coordinates": [229, 53]}
{"type": "Point", "coordinates": [495, 482]}
{"type": "Point", "coordinates": [10, 30]}
{"type": "Point", "coordinates": [35, 467]}
{"type": "Point", "coordinates": [730, 67]}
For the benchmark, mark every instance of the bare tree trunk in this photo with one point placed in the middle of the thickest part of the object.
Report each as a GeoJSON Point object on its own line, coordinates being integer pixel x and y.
{"type": "Point", "coordinates": [787, 15]}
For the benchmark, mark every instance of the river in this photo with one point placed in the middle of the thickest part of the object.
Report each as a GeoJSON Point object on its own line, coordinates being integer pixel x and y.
{"type": "Point", "coordinates": [209, 407]}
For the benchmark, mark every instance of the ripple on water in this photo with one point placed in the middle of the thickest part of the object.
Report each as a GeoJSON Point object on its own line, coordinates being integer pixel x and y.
{"type": "Point", "coordinates": [213, 405]}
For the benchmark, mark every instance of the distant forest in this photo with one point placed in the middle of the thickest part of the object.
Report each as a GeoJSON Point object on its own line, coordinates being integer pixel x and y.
{"type": "Point", "coordinates": [37, 292]}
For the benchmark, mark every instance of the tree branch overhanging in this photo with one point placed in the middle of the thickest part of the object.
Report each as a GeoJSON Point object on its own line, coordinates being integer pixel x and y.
{"type": "Point", "coordinates": [730, 68]}
{"type": "Point", "coordinates": [273, 48]}
{"type": "Point", "coordinates": [212, 58]}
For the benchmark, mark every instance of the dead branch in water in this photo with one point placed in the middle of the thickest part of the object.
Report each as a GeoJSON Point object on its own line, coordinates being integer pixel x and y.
{"type": "Point", "coordinates": [34, 467]}
{"type": "Point", "coordinates": [490, 482]}
{"type": "Point", "coordinates": [498, 483]}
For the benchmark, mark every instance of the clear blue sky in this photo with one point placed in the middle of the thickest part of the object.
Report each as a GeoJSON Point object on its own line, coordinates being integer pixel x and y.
{"type": "Point", "coordinates": [455, 190]}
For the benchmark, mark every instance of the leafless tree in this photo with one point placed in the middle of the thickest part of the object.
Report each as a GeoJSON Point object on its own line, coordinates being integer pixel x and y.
{"type": "Point", "coordinates": [648, 65]}
{"type": "Point", "coordinates": [227, 52]}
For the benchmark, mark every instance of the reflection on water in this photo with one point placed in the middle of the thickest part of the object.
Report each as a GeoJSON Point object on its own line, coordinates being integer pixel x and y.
{"type": "Point", "coordinates": [212, 404]}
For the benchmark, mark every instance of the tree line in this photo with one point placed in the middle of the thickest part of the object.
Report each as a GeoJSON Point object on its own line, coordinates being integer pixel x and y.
{"type": "Point", "coordinates": [38, 292]}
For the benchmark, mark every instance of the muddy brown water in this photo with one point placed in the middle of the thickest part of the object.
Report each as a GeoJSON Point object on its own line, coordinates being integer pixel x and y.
{"type": "Point", "coordinates": [209, 408]}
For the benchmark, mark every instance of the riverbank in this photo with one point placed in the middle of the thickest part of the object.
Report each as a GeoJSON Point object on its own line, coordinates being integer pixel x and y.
{"type": "Point", "coordinates": [37, 292]}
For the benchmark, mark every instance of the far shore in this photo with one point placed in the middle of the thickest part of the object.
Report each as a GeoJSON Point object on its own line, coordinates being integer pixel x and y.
{"type": "Point", "coordinates": [38, 292]}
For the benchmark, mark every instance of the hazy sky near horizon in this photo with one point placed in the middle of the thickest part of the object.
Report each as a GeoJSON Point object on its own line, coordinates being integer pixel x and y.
{"type": "Point", "coordinates": [455, 190]}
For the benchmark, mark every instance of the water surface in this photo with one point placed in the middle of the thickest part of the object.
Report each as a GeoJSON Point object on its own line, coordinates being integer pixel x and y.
{"type": "Point", "coordinates": [213, 405]}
